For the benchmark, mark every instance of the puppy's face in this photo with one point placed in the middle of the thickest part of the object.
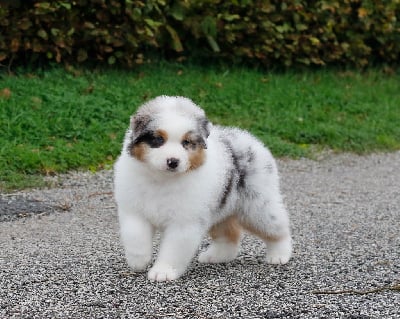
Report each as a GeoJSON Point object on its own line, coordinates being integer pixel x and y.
{"type": "Point", "coordinates": [169, 142]}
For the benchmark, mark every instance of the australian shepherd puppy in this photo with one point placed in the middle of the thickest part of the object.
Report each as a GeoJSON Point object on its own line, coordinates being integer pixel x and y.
{"type": "Point", "coordinates": [182, 176]}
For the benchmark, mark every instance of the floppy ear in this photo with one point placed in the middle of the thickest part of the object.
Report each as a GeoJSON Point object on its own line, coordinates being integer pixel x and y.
{"type": "Point", "coordinates": [139, 124]}
{"type": "Point", "coordinates": [204, 129]}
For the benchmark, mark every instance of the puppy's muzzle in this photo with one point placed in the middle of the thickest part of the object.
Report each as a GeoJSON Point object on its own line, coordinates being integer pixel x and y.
{"type": "Point", "coordinates": [172, 163]}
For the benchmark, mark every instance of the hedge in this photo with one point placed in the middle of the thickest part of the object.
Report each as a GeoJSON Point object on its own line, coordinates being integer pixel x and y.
{"type": "Point", "coordinates": [127, 32]}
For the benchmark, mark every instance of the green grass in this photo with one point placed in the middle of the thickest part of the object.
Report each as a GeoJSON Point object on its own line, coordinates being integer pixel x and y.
{"type": "Point", "coordinates": [54, 121]}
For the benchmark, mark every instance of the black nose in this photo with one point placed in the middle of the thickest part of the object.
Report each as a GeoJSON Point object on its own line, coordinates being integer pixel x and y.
{"type": "Point", "coordinates": [172, 163]}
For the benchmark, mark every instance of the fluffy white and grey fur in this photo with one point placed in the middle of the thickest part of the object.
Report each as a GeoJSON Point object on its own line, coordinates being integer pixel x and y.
{"type": "Point", "coordinates": [182, 176]}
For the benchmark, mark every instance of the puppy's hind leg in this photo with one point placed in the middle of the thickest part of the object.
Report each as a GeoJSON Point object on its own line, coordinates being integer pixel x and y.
{"type": "Point", "coordinates": [271, 224]}
{"type": "Point", "coordinates": [225, 244]}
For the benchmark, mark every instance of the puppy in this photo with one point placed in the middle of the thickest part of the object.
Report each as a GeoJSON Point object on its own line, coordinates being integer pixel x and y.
{"type": "Point", "coordinates": [182, 176]}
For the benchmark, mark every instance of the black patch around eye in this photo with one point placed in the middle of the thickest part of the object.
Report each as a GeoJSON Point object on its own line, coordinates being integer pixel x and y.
{"type": "Point", "coordinates": [193, 141]}
{"type": "Point", "coordinates": [186, 144]}
{"type": "Point", "coordinates": [154, 141]}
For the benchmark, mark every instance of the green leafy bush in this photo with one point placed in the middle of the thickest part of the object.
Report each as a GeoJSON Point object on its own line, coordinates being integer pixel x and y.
{"type": "Point", "coordinates": [270, 32]}
{"type": "Point", "coordinates": [77, 31]}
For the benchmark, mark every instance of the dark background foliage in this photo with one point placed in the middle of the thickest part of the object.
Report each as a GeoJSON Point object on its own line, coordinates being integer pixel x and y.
{"type": "Point", "coordinates": [267, 32]}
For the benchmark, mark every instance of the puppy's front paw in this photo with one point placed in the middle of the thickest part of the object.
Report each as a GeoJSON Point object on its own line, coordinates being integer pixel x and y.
{"type": "Point", "coordinates": [277, 259]}
{"type": "Point", "coordinates": [279, 253]}
{"type": "Point", "coordinates": [138, 262]}
{"type": "Point", "coordinates": [163, 272]}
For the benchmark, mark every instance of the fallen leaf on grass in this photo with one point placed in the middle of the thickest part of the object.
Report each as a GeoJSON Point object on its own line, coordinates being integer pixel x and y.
{"type": "Point", "coordinates": [5, 93]}
{"type": "Point", "coordinates": [88, 90]}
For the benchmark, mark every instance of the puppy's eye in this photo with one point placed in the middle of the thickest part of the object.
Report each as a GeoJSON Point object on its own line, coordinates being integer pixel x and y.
{"type": "Point", "coordinates": [156, 141]}
{"type": "Point", "coordinates": [186, 143]}
{"type": "Point", "coordinates": [151, 139]}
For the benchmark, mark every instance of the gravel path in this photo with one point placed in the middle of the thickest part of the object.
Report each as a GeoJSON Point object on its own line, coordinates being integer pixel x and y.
{"type": "Point", "coordinates": [61, 257]}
